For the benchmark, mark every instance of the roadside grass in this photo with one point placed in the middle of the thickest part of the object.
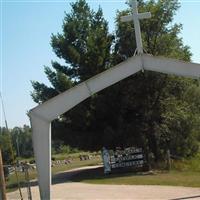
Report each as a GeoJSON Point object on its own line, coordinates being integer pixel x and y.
{"type": "Point", "coordinates": [11, 183]}
{"type": "Point", "coordinates": [185, 172]}
{"type": "Point", "coordinates": [192, 165]}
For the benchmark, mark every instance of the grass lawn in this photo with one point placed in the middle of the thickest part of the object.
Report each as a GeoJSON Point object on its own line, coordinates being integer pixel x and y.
{"type": "Point", "coordinates": [183, 173]}
{"type": "Point", "coordinates": [173, 178]}
{"type": "Point", "coordinates": [11, 184]}
{"type": "Point", "coordinates": [75, 164]}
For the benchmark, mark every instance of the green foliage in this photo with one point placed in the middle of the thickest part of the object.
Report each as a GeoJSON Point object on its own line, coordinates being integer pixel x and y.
{"type": "Point", "coordinates": [187, 165]}
{"type": "Point", "coordinates": [85, 42]}
{"type": "Point", "coordinates": [58, 147]}
{"type": "Point", "coordinates": [177, 130]}
{"type": "Point", "coordinates": [152, 110]}
{"type": "Point", "coordinates": [22, 141]}
{"type": "Point", "coordinates": [5, 146]}
{"type": "Point", "coordinates": [65, 149]}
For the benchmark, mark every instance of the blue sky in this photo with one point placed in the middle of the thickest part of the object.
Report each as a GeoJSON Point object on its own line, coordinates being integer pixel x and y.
{"type": "Point", "coordinates": [26, 27]}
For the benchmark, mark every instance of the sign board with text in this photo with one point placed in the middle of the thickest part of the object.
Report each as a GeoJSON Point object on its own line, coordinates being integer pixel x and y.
{"type": "Point", "coordinates": [131, 157]}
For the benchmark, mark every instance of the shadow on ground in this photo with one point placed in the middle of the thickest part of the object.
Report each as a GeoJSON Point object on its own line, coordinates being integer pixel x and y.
{"type": "Point", "coordinates": [82, 175]}
{"type": "Point", "coordinates": [95, 174]}
{"type": "Point", "coordinates": [190, 197]}
{"type": "Point", "coordinates": [63, 177]}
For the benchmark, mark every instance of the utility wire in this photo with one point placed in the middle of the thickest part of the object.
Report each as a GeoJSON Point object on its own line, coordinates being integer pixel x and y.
{"type": "Point", "coordinates": [4, 113]}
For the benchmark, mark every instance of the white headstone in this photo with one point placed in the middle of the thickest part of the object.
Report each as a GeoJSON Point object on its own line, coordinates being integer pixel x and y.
{"type": "Point", "coordinates": [136, 19]}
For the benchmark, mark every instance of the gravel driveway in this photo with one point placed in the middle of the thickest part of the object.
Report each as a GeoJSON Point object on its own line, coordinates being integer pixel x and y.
{"type": "Point", "coordinates": [83, 191]}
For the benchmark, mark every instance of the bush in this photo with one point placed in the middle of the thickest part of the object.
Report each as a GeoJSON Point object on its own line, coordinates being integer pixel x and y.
{"type": "Point", "coordinates": [65, 149]}
{"type": "Point", "coordinates": [191, 164]}
{"type": "Point", "coordinates": [75, 150]}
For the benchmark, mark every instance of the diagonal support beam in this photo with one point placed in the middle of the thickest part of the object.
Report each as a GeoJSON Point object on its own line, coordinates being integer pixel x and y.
{"type": "Point", "coordinates": [58, 105]}
{"type": "Point", "coordinates": [171, 66]}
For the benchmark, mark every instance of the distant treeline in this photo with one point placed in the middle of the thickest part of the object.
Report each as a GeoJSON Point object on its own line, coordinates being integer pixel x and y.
{"type": "Point", "coordinates": [19, 139]}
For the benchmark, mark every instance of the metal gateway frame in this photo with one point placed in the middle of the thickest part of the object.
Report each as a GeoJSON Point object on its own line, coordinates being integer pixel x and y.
{"type": "Point", "coordinates": [42, 115]}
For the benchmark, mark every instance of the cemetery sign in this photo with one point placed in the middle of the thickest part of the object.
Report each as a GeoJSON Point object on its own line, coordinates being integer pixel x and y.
{"type": "Point", "coordinates": [130, 157]}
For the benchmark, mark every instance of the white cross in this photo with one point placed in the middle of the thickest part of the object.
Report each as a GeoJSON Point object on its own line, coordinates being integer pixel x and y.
{"type": "Point", "coordinates": [136, 17]}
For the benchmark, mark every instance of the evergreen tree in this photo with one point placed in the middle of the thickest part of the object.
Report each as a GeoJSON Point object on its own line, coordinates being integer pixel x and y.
{"type": "Point", "coordinates": [144, 97]}
{"type": "Point", "coordinates": [85, 46]}
{"type": "Point", "coordinates": [149, 109]}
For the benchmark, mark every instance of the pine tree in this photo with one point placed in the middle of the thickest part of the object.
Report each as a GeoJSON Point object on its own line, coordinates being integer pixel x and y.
{"type": "Point", "coordinates": [85, 46]}
{"type": "Point", "coordinates": [149, 109]}
{"type": "Point", "coordinates": [144, 98]}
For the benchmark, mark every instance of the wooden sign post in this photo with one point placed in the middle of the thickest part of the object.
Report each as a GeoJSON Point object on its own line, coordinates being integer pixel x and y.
{"type": "Point", "coordinates": [2, 180]}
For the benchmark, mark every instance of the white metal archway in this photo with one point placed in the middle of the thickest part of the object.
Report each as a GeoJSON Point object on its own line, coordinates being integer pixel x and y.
{"type": "Point", "coordinates": [42, 115]}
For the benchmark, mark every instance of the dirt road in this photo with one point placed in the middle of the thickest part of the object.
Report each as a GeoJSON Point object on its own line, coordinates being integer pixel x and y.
{"type": "Point", "coordinates": [62, 190]}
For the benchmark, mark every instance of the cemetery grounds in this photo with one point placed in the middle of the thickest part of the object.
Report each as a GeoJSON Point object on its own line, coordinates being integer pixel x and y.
{"type": "Point", "coordinates": [183, 173]}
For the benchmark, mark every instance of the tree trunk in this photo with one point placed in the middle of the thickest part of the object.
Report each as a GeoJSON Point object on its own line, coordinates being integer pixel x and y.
{"type": "Point", "coordinates": [2, 180]}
